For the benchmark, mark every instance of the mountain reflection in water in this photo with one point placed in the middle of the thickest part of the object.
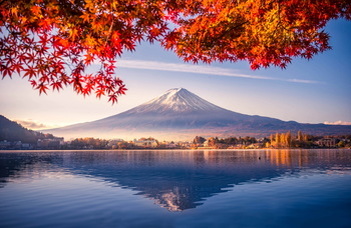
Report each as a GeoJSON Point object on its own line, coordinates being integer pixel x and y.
{"type": "Point", "coordinates": [175, 180]}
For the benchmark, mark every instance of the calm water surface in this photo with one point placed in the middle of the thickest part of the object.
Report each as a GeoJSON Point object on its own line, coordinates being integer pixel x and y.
{"type": "Point", "coordinates": [241, 188]}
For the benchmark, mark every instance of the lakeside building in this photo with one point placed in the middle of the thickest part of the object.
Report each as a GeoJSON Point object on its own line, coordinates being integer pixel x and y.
{"type": "Point", "coordinates": [15, 145]}
{"type": "Point", "coordinates": [114, 143]}
{"type": "Point", "coordinates": [50, 143]}
{"type": "Point", "coordinates": [145, 142]}
{"type": "Point", "coordinates": [5, 145]}
{"type": "Point", "coordinates": [327, 142]}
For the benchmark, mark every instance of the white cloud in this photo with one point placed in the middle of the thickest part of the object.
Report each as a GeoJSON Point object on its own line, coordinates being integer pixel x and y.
{"type": "Point", "coordinates": [301, 81]}
{"type": "Point", "coordinates": [338, 123]}
{"type": "Point", "coordinates": [197, 69]}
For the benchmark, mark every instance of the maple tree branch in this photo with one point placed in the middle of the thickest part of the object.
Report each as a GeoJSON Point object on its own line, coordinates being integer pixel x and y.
{"type": "Point", "coordinates": [2, 2]}
{"type": "Point", "coordinates": [109, 32]}
{"type": "Point", "coordinates": [231, 29]}
{"type": "Point", "coordinates": [257, 31]}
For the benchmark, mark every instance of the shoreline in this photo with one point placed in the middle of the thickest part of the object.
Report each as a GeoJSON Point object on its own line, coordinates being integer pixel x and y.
{"type": "Point", "coordinates": [124, 150]}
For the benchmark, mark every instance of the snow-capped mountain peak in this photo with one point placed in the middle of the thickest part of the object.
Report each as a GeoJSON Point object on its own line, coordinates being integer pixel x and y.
{"type": "Point", "coordinates": [178, 100]}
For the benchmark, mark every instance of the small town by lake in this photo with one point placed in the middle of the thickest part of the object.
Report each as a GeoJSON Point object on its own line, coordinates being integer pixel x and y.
{"type": "Point", "coordinates": [176, 188]}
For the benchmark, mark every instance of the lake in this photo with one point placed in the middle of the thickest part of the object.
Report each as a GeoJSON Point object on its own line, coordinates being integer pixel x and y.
{"type": "Point", "coordinates": [182, 188]}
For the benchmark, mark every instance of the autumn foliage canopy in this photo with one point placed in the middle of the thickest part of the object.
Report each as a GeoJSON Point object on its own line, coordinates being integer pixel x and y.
{"type": "Point", "coordinates": [52, 43]}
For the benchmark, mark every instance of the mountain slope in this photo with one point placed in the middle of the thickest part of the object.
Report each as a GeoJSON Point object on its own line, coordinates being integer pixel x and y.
{"type": "Point", "coordinates": [12, 131]}
{"type": "Point", "coordinates": [180, 113]}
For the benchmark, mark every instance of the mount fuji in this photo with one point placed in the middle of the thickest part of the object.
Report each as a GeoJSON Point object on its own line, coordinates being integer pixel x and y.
{"type": "Point", "coordinates": [179, 114]}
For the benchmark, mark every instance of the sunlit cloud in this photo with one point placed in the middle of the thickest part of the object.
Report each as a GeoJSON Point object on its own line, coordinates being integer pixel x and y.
{"type": "Point", "coordinates": [338, 123]}
{"type": "Point", "coordinates": [31, 124]}
{"type": "Point", "coordinates": [34, 125]}
{"type": "Point", "coordinates": [208, 70]}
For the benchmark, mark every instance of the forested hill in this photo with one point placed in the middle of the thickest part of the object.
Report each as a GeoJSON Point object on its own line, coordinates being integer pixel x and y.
{"type": "Point", "coordinates": [12, 131]}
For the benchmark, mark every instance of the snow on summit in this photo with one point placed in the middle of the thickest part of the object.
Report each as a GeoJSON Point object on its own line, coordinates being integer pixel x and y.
{"type": "Point", "coordinates": [178, 100]}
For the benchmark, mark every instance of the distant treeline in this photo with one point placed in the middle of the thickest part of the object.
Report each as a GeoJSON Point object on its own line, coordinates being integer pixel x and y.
{"type": "Point", "coordinates": [277, 140]}
{"type": "Point", "coordinates": [287, 140]}
{"type": "Point", "coordinates": [87, 143]}
{"type": "Point", "coordinates": [223, 143]}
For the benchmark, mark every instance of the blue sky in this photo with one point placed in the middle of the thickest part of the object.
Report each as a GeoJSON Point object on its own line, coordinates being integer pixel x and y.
{"type": "Point", "coordinates": [308, 91]}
